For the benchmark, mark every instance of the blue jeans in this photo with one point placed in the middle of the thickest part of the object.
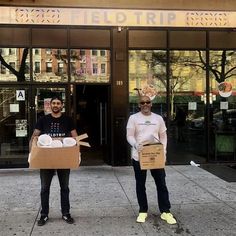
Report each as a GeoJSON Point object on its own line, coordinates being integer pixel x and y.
{"type": "Point", "coordinates": [162, 191]}
{"type": "Point", "coordinates": [46, 176]}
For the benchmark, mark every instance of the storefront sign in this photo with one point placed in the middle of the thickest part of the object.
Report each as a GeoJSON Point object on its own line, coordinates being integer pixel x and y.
{"type": "Point", "coordinates": [116, 17]}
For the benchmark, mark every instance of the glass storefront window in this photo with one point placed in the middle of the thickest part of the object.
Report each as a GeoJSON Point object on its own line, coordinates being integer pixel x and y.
{"type": "Point", "coordinates": [50, 65]}
{"type": "Point", "coordinates": [147, 76]}
{"type": "Point", "coordinates": [222, 88]}
{"type": "Point", "coordinates": [90, 66]}
{"type": "Point", "coordinates": [222, 104]}
{"type": "Point", "coordinates": [14, 64]}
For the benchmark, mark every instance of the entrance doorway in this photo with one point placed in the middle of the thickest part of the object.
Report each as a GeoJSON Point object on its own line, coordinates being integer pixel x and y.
{"type": "Point", "coordinates": [92, 118]}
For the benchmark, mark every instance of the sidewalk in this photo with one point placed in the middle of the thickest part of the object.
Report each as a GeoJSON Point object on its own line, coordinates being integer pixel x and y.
{"type": "Point", "coordinates": [103, 202]}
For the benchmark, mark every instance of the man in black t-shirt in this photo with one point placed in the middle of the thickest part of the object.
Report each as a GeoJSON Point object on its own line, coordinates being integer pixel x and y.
{"type": "Point", "coordinates": [56, 125]}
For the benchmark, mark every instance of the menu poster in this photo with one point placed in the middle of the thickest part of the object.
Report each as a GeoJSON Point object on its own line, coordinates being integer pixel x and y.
{"type": "Point", "coordinates": [192, 106]}
{"type": "Point", "coordinates": [21, 128]}
{"type": "Point", "coordinates": [14, 108]}
{"type": "Point", "coordinates": [224, 105]}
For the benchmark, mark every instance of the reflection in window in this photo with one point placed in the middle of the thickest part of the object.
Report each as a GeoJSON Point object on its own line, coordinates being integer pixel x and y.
{"type": "Point", "coordinates": [3, 69]}
{"type": "Point", "coordinates": [12, 51]}
{"type": "Point", "coordinates": [88, 66]}
{"type": "Point", "coordinates": [37, 67]}
{"type": "Point", "coordinates": [103, 68]}
{"type": "Point", "coordinates": [27, 68]}
{"type": "Point", "coordinates": [102, 53]}
{"type": "Point", "coordinates": [14, 63]}
{"type": "Point", "coordinates": [187, 81]}
{"type": "Point", "coordinates": [94, 52]}
{"type": "Point", "coordinates": [60, 68]}
{"type": "Point", "coordinates": [95, 68]}
{"type": "Point", "coordinates": [222, 86]}
{"type": "Point", "coordinates": [50, 65]}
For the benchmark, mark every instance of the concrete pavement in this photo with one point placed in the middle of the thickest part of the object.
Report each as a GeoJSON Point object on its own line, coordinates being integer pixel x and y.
{"type": "Point", "coordinates": [103, 202]}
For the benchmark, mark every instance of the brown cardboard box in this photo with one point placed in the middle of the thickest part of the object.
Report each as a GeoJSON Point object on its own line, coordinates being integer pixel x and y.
{"type": "Point", "coordinates": [56, 158]}
{"type": "Point", "coordinates": [152, 157]}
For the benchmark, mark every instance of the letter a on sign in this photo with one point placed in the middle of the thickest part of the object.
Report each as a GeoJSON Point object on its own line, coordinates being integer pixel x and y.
{"type": "Point", "coordinates": [20, 95]}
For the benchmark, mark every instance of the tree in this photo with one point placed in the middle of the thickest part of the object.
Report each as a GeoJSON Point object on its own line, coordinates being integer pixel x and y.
{"type": "Point", "coordinates": [176, 80]}
{"type": "Point", "coordinates": [20, 75]}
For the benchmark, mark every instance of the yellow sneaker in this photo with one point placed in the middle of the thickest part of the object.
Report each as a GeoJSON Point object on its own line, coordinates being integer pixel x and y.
{"type": "Point", "coordinates": [169, 218]}
{"type": "Point", "coordinates": [141, 217]}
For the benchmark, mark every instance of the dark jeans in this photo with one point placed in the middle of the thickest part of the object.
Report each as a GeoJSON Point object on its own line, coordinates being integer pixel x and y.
{"type": "Point", "coordinates": [162, 191]}
{"type": "Point", "coordinates": [46, 176]}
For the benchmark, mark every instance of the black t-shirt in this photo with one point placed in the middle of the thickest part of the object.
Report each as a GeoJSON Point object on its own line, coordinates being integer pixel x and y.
{"type": "Point", "coordinates": [55, 127]}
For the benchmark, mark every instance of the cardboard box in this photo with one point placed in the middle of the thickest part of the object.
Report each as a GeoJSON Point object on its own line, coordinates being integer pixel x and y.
{"type": "Point", "coordinates": [56, 158]}
{"type": "Point", "coordinates": [152, 157]}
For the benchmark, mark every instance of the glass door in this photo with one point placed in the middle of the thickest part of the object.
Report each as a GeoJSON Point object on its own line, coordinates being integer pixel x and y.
{"type": "Point", "coordinates": [92, 118]}
{"type": "Point", "coordinates": [14, 126]}
{"type": "Point", "coordinates": [42, 97]}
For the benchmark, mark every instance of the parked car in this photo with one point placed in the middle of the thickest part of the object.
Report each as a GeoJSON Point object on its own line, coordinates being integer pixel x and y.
{"type": "Point", "coordinates": [218, 121]}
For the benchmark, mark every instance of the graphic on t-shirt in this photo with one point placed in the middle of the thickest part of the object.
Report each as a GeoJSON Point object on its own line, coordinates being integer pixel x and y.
{"type": "Point", "coordinates": [55, 130]}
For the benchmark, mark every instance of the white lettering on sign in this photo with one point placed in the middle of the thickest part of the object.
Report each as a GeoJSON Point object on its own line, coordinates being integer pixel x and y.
{"type": "Point", "coordinates": [116, 17]}
{"type": "Point", "coordinates": [20, 95]}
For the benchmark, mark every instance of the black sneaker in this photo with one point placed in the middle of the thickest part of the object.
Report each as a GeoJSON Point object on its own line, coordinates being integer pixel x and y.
{"type": "Point", "coordinates": [42, 221]}
{"type": "Point", "coordinates": [68, 219]}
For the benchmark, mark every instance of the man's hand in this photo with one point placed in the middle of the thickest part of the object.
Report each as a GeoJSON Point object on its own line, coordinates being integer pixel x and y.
{"type": "Point", "coordinates": [138, 147]}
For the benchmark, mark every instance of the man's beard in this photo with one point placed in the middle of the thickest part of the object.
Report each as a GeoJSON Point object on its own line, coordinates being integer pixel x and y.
{"type": "Point", "coordinates": [57, 110]}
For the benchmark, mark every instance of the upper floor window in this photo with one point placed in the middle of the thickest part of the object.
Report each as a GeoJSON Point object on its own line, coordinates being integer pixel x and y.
{"type": "Point", "coordinates": [82, 52]}
{"type": "Point", "coordinates": [36, 51]}
{"type": "Point", "coordinates": [103, 68]}
{"type": "Point", "coordinates": [3, 69]}
{"type": "Point", "coordinates": [102, 53]}
{"type": "Point", "coordinates": [60, 67]}
{"type": "Point", "coordinates": [12, 51]}
{"type": "Point", "coordinates": [95, 68]}
{"type": "Point", "coordinates": [13, 65]}
{"type": "Point", "coordinates": [48, 67]}
{"type": "Point", "coordinates": [48, 51]}
{"type": "Point", "coordinates": [94, 52]}
{"type": "Point", "coordinates": [37, 67]}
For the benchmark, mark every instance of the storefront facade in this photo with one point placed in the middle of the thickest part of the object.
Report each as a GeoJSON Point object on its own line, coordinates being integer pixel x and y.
{"type": "Point", "coordinates": [99, 59]}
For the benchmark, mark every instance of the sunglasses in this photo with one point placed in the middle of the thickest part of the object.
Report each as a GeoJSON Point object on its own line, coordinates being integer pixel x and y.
{"type": "Point", "coordinates": [143, 103]}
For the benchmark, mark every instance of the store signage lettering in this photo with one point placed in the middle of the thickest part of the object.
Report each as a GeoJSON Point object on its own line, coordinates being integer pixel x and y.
{"type": "Point", "coordinates": [123, 18]}
{"type": "Point", "coordinates": [116, 17]}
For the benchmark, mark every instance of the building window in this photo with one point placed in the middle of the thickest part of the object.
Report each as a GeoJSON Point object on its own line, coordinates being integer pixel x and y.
{"type": "Point", "coordinates": [83, 68]}
{"type": "Point", "coordinates": [89, 66]}
{"type": "Point", "coordinates": [82, 52]}
{"type": "Point", "coordinates": [27, 71]}
{"type": "Point", "coordinates": [48, 67]}
{"type": "Point", "coordinates": [60, 68]}
{"type": "Point", "coordinates": [95, 68]}
{"type": "Point", "coordinates": [3, 69]}
{"type": "Point", "coordinates": [103, 68]}
{"type": "Point", "coordinates": [102, 53]}
{"type": "Point", "coordinates": [37, 67]}
{"type": "Point", "coordinates": [94, 52]}
{"type": "Point", "coordinates": [12, 51]}
{"type": "Point", "coordinates": [48, 51]}
{"type": "Point", "coordinates": [36, 51]}
{"type": "Point", "coordinates": [13, 65]}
